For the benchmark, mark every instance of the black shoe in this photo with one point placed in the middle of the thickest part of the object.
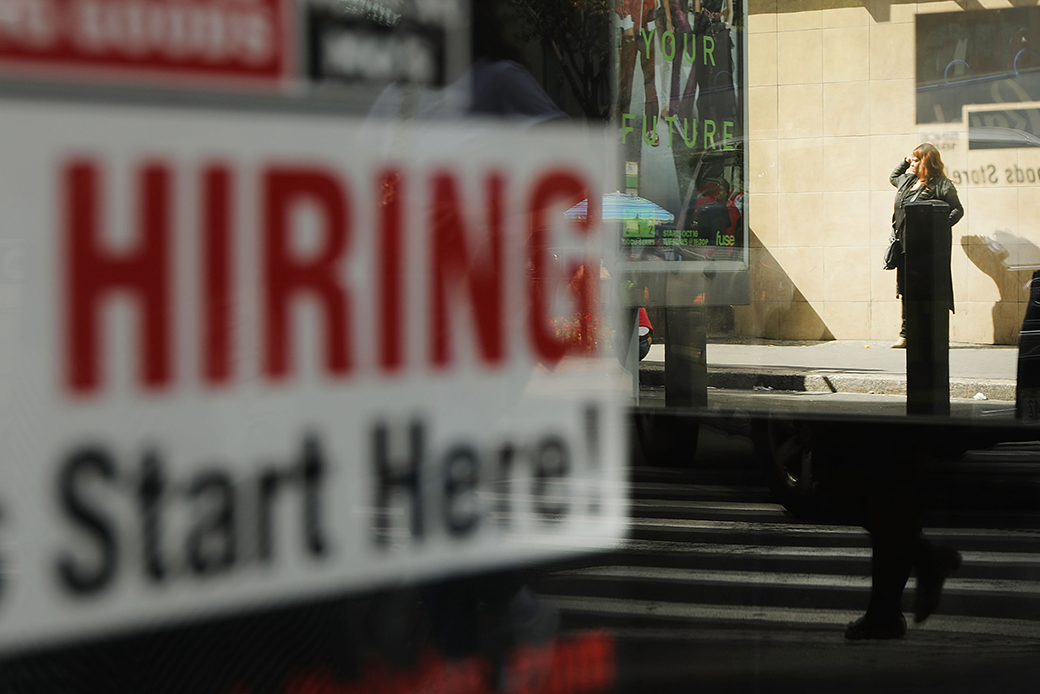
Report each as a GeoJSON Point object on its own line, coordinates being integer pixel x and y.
{"type": "Point", "coordinates": [870, 628]}
{"type": "Point", "coordinates": [930, 582]}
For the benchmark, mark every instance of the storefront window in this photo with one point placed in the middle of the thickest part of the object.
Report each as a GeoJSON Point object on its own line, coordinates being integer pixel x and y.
{"type": "Point", "coordinates": [519, 346]}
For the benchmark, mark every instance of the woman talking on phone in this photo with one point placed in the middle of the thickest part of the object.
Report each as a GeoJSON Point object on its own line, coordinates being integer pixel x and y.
{"type": "Point", "coordinates": [920, 176]}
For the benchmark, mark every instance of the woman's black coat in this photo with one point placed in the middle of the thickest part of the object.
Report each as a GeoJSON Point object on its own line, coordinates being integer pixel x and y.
{"type": "Point", "coordinates": [937, 188]}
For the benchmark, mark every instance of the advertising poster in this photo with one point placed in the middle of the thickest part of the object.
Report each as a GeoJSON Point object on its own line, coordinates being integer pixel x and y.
{"type": "Point", "coordinates": [680, 109]}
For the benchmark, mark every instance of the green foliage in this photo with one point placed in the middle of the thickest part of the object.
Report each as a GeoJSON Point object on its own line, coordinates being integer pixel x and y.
{"type": "Point", "coordinates": [578, 32]}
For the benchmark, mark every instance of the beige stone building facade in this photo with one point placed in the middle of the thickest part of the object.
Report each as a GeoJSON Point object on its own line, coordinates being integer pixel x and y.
{"type": "Point", "coordinates": [832, 109]}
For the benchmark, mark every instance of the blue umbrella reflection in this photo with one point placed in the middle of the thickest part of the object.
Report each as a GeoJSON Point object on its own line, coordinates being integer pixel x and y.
{"type": "Point", "coordinates": [620, 206]}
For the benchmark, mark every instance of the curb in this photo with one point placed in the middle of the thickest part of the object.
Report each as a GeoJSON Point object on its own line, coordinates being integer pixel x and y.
{"type": "Point", "coordinates": [766, 378]}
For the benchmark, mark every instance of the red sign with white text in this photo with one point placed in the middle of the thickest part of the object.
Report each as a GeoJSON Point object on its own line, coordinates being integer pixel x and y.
{"type": "Point", "coordinates": [147, 39]}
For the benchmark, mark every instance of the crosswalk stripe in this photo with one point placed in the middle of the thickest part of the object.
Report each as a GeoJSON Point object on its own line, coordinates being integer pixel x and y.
{"type": "Point", "coordinates": [654, 608]}
{"type": "Point", "coordinates": [674, 489]}
{"type": "Point", "coordinates": [802, 580]}
{"type": "Point", "coordinates": [762, 566]}
{"type": "Point", "coordinates": [802, 528]}
{"type": "Point", "coordinates": [744, 578]}
{"type": "Point", "coordinates": [748, 549]}
{"type": "Point", "coordinates": [793, 551]}
{"type": "Point", "coordinates": [780, 616]}
{"type": "Point", "coordinates": [746, 526]}
{"type": "Point", "coordinates": [736, 506]}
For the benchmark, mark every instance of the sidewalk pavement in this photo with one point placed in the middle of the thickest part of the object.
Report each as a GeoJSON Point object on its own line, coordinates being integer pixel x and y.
{"type": "Point", "coordinates": [842, 366]}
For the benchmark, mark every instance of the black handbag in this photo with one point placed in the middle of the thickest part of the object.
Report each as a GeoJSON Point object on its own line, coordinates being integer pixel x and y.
{"type": "Point", "coordinates": [893, 255]}
{"type": "Point", "coordinates": [894, 252]}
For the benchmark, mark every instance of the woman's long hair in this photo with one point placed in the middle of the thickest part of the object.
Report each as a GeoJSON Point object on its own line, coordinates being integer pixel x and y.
{"type": "Point", "coordinates": [930, 164]}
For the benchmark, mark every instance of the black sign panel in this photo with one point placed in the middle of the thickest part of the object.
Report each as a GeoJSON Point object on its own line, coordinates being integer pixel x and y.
{"type": "Point", "coordinates": [374, 46]}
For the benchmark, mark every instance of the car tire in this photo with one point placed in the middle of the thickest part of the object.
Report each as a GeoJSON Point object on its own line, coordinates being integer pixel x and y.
{"type": "Point", "coordinates": [794, 463]}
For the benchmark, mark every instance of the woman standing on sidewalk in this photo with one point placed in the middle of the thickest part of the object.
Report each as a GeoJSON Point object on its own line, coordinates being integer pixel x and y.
{"type": "Point", "coordinates": [921, 176]}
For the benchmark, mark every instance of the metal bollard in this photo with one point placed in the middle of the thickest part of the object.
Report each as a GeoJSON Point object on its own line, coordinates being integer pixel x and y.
{"type": "Point", "coordinates": [928, 294]}
{"type": "Point", "coordinates": [685, 357]}
{"type": "Point", "coordinates": [1027, 378]}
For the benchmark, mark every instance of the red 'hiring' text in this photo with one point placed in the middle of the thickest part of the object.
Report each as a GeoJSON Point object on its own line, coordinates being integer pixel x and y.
{"type": "Point", "coordinates": [457, 270]}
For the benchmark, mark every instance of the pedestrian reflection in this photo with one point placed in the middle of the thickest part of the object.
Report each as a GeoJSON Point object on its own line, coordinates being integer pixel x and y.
{"type": "Point", "coordinates": [881, 487]}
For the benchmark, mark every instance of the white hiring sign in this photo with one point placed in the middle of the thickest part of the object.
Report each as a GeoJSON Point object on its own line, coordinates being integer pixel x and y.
{"type": "Point", "coordinates": [259, 358]}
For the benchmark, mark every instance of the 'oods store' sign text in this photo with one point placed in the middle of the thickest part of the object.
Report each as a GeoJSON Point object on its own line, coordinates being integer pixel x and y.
{"type": "Point", "coordinates": [262, 358]}
{"type": "Point", "coordinates": [239, 39]}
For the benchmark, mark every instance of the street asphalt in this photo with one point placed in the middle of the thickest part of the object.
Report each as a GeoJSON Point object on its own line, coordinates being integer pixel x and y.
{"type": "Point", "coordinates": [843, 366]}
